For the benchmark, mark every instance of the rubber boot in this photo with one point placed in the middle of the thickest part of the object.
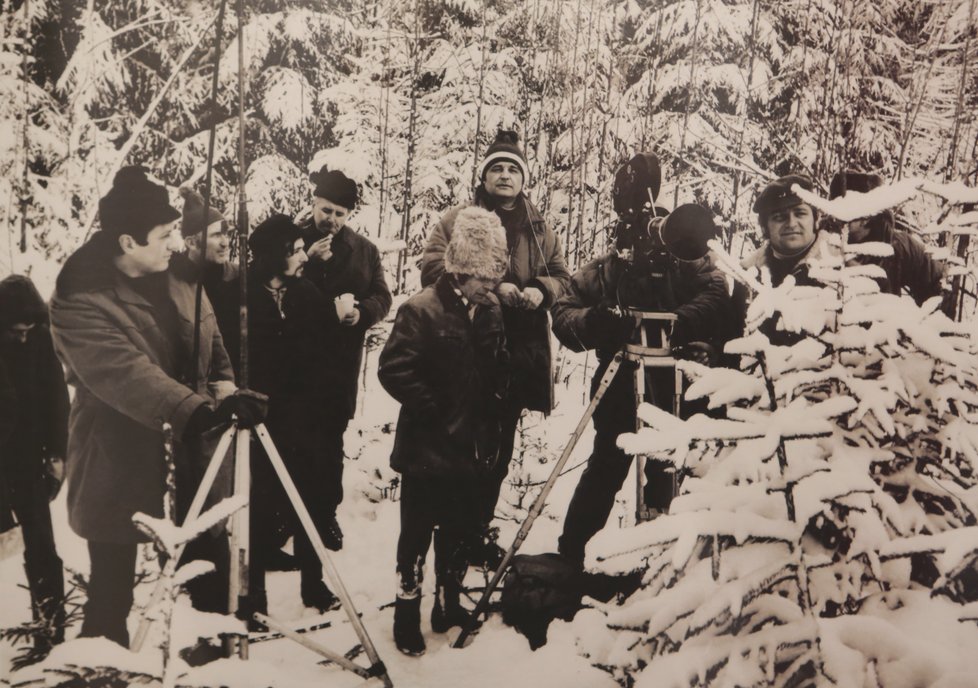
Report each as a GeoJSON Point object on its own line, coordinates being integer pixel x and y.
{"type": "Point", "coordinates": [407, 626]}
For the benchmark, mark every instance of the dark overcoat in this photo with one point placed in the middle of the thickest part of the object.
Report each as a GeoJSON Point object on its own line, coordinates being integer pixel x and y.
{"type": "Point", "coordinates": [354, 268]}
{"type": "Point", "coordinates": [33, 403]}
{"type": "Point", "coordinates": [448, 373]}
{"type": "Point", "coordinates": [535, 260]}
{"type": "Point", "coordinates": [126, 386]}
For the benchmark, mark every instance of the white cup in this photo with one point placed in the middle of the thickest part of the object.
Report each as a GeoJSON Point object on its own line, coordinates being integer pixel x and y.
{"type": "Point", "coordinates": [344, 305]}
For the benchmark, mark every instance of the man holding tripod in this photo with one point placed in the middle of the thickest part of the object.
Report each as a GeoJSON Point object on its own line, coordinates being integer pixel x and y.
{"type": "Point", "coordinates": [123, 327]}
{"type": "Point", "coordinates": [642, 273]}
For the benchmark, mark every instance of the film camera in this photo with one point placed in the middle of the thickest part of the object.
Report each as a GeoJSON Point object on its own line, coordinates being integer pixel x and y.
{"type": "Point", "coordinates": [648, 236]}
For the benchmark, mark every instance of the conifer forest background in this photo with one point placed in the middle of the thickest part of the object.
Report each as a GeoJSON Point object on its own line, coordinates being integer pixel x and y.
{"type": "Point", "coordinates": [406, 95]}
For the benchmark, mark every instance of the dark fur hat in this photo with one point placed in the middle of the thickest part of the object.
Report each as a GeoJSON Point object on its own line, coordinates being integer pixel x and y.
{"type": "Point", "coordinates": [848, 180]}
{"type": "Point", "coordinates": [335, 187]}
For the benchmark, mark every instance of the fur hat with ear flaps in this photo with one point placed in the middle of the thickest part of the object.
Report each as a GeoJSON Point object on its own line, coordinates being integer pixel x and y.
{"type": "Point", "coordinates": [478, 245]}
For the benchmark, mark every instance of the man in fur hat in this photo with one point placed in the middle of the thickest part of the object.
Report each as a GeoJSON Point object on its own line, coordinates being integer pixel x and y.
{"type": "Point", "coordinates": [33, 438]}
{"type": "Point", "coordinates": [346, 268]}
{"type": "Point", "coordinates": [445, 362]}
{"type": "Point", "coordinates": [122, 326]}
{"type": "Point", "coordinates": [910, 269]}
{"type": "Point", "coordinates": [536, 277]}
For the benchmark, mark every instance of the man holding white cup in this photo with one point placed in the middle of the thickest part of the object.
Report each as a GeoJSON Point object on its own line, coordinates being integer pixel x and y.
{"type": "Point", "coordinates": [347, 269]}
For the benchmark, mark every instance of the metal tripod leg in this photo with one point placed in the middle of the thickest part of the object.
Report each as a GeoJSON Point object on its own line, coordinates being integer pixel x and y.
{"type": "Point", "coordinates": [196, 506]}
{"type": "Point", "coordinates": [539, 502]}
{"type": "Point", "coordinates": [377, 667]}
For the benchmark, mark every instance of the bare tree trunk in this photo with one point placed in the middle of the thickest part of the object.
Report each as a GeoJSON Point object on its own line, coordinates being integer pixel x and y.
{"type": "Point", "coordinates": [408, 167]}
{"type": "Point", "coordinates": [478, 112]}
{"type": "Point", "coordinates": [689, 99]}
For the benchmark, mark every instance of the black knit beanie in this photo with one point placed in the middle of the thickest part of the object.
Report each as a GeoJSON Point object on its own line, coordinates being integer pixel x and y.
{"type": "Point", "coordinates": [134, 204]}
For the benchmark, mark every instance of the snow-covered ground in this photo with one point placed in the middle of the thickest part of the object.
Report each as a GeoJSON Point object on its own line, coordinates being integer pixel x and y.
{"type": "Point", "coordinates": [497, 656]}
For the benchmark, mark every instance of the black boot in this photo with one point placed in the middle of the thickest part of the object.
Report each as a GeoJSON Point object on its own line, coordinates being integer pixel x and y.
{"type": "Point", "coordinates": [448, 611]}
{"type": "Point", "coordinates": [407, 626]}
{"type": "Point", "coordinates": [317, 595]}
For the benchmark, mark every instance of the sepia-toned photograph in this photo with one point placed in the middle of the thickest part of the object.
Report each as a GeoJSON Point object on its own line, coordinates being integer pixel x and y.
{"type": "Point", "coordinates": [489, 343]}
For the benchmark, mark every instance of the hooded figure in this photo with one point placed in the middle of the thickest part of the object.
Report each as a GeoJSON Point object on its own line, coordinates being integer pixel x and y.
{"type": "Point", "coordinates": [33, 438]}
{"type": "Point", "coordinates": [910, 269]}
{"type": "Point", "coordinates": [445, 362]}
{"type": "Point", "coordinates": [535, 279]}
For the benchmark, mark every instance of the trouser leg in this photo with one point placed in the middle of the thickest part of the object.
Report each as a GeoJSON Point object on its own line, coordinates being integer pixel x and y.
{"type": "Point", "coordinates": [45, 572]}
{"type": "Point", "coordinates": [209, 592]}
{"type": "Point", "coordinates": [110, 588]}
{"type": "Point", "coordinates": [607, 467]}
{"type": "Point", "coordinates": [417, 526]}
{"type": "Point", "coordinates": [492, 483]}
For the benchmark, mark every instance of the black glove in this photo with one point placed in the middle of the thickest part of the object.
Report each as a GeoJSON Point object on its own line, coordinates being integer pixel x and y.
{"type": "Point", "coordinates": [700, 352]}
{"type": "Point", "coordinates": [610, 325]}
{"type": "Point", "coordinates": [249, 406]}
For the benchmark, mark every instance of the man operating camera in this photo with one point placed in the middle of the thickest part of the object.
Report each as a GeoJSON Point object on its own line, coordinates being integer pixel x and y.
{"type": "Point", "coordinates": [658, 265]}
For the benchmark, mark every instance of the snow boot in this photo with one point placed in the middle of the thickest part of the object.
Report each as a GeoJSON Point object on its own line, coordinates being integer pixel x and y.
{"type": "Point", "coordinates": [318, 596]}
{"type": "Point", "coordinates": [332, 534]}
{"type": "Point", "coordinates": [447, 611]}
{"type": "Point", "coordinates": [407, 626]}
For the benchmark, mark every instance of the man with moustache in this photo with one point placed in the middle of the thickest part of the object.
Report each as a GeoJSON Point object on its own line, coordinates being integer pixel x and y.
{"type": "Point", "coordinates": [346, 268]}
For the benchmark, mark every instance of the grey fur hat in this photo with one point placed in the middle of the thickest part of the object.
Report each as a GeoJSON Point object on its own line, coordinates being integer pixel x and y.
{"type": "Point", "coordinates": [478, 245]}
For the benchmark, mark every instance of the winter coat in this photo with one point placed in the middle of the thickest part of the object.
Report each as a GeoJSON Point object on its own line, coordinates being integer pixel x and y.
{"type": "Point", "coordinates": [909, 268]}
{"type": "Point", "coordinates": [448, 373]}
{"type": "Point", "coordinates": [354, 268]}
{"type": "Point", "coordinates": [223, 291]}
{"type": "Point", "coordinates": [694, 290]}
{"type": "Point", "coordinates": [33, 404]}
{"type": "Point", "coordinates": [825, 246]}
{"type": "Point", "coordinates": [535, 260]}
{"type": "Point", "coordinates": [126, 387]}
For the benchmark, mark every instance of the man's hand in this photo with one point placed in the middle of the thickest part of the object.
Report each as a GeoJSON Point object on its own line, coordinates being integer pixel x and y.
{"type": "Point", "coordinates": [509, 294]}
{"type": "Point", "coordinates": [698, 352]}
{"type": "Point", "coordinates": [321, 249]}
{"type": "Point", "coordinates": [351, 318]}
{"type": "Point", "coordinates": [532, 298]}
{"type": "Point", "coordinates": [248, 406]}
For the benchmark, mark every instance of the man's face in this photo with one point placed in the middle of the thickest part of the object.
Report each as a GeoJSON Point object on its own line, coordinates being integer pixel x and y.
{"type": "Point", "coordinates": [479, 289]}
{"type": "Point", "coordinates": [295, 261]}
{"type": "Point", "coordinates": [154, 256]}
{"type": "Point", "coordinates": [859, 230]}
{"type": "Point", "coordinates": [792, 229]}
{"type": "Point", "coordinates": [16, 333]}
{"type": "Point", "coordinates": [504, 180]}
{"type": "Point", "coordinates": [218, 243]}
{"type": "Point", "coordinates": [328, 216]}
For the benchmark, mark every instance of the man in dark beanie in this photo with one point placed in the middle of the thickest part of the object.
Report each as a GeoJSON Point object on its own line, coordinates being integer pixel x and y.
{"type": "Point", "coordinates": [792, 239]}
{"type": "Point", "coordinates": [33, 438]}
{"type": "Point", "coordinates": [909, 269]}
{"type": "Point", "coordinates": [346, 268]}
{"type": "Point", "coordinates": [535, 279]}
{"type": "Point", "coordinates": [207, 260]}
{"type": "Point", "coordinates": [123, 326]}
{"type": "Point", "coordinates": [445, 362]}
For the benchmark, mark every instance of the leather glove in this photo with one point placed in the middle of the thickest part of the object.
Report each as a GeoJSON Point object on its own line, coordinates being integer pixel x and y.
{"type": "Point", "coordinates": [699, 352]}
{"type": "Point", "coordinates": [249, 406]}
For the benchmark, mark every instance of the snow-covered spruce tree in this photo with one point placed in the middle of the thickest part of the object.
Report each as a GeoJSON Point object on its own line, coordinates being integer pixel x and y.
{"type": "Point", "coordinates": [825, 533]}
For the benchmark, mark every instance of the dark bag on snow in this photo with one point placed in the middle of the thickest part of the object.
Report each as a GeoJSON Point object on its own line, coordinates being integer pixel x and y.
{"type": "Point", "coordinates": [538, 589]}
